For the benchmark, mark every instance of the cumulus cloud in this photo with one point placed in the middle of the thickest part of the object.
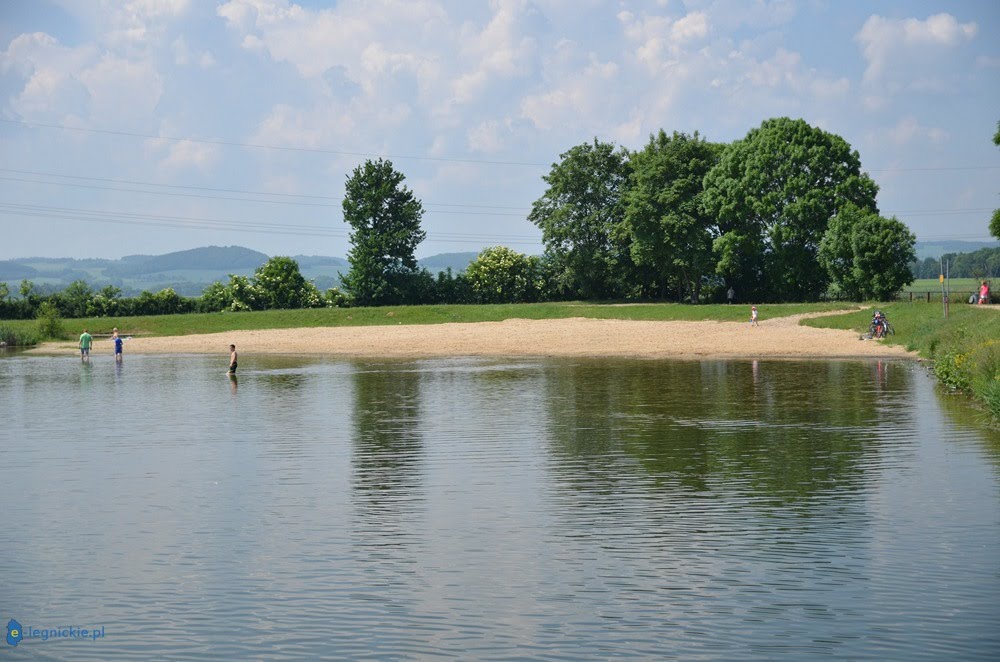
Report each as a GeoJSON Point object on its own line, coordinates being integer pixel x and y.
{"type": "Point", "coordinates": [120, 88]}
{"type": "Point", "coordinates": [907, 45]}
{"type": "Point", "coordinates": [184, 56]}
{"type": "Point", "coordinates": [909, 130]}
{"type": "Point", "coordinates": [581, 97]}
{"type": "Point", "coordinates": [184, 155]}
{"type": "Point", "coordinates": [50, 73]}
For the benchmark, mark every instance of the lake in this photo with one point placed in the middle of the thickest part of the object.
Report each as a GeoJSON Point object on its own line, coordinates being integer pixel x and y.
{"type": "Point", "coordinates": [495, 509]}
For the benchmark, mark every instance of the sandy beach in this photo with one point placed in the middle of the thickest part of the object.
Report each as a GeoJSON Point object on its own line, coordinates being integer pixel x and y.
{"type": "Point", "coordinates": [574, 337]}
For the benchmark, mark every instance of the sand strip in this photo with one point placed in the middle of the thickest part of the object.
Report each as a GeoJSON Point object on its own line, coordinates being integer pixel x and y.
{"type": "Point", "coordinates": [573, 337]}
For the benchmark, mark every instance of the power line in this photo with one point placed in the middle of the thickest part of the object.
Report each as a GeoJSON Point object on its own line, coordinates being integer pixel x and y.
{"type": "Point", "coordinates": [226, 143]}
{"type": "Point", "coordinates": [227, 190]}
{"type": "Point", "coordinates": [200, 223]}
{"type": "Point", "coordinates": [234, 199]}
{"type": "Point", "coordinates": [910, 212]}
{"type": "Point", "coordinates": [442, 159]}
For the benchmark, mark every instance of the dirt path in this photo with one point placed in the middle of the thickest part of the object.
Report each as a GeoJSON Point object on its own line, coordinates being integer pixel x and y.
{"type": "Point", "coordinates": [774, 338]}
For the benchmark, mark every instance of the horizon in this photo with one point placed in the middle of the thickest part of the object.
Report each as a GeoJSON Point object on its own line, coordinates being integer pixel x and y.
{"type": "Point", "coordinates": [987, 243]}
{"type": "Point", "coordinates": [145, 128]}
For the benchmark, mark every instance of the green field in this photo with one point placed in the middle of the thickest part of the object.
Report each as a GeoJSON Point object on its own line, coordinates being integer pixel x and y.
{"type": "Point", "coordinates": [957, 286]}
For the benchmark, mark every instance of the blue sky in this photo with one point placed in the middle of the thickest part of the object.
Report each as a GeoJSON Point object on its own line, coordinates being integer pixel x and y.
{"type": "Point", "coordinates": [148, 126]}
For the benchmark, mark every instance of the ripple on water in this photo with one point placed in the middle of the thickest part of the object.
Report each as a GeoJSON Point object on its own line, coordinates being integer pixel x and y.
{"type": "Point", "coordinates": [480, 508]}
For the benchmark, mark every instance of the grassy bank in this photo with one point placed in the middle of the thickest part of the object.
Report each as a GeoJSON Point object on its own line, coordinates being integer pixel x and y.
{"type": "Point", "coordinates": [179, 325]}
{"type": "Point", "coordinates": [958, 286]}
{"type": "Point", "coordinates": [965, 347]}
{"type": "Point", "coordinates": [19, 337]}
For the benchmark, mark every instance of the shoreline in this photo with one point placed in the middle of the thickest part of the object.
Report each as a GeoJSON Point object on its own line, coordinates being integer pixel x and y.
{"type": "Point", "coordinates": [778, 338]}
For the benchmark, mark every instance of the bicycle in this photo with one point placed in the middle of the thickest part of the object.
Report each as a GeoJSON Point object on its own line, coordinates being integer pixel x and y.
{"type": "Point", "coordinates": [887, 330]}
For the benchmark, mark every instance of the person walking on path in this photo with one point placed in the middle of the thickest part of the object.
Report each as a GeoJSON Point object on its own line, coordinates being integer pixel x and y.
{"type": "Point", "coordinates": [753, 316]}
{"type": "Point", "coordinates": [232, 360]}
{"type": "Point", "coordinates": [984, 293]}
{"type": "Point", "coordinates": [85, 342]}
{"type": "Point", "coordinates": [118, 342]}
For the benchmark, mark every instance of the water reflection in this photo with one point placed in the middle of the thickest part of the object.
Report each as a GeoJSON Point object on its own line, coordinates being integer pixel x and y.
{"type": "Point", "coordinates": [577, 509]}
{"type": "Point", "coordinates": [387, 448]}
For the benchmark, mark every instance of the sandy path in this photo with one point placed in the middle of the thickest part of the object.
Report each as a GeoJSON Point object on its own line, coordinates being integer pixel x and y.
{"type": "Point", "coordinates": [774, 338]}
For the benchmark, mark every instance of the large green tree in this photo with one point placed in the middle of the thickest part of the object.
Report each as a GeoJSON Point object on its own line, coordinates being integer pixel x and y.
{"type": "Point", "coordinates": [669, 229]}
{"type": "Point", "coordinates": [580, 215]}
{"type": "Point", "coordinates": [773, 194]}
{"type": "Point", "coordinates": [866, 255]}
{"type": "Point", "coordinates": [384, 216]}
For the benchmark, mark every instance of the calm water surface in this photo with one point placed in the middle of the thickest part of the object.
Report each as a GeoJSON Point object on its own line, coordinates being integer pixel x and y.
{"type": "Point", "coordinates": [481, 509]}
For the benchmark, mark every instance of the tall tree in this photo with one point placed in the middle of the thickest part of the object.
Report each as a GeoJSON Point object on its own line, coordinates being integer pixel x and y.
{"type": "Point", "coordinates": [773, 194]}
{"type": "Point", "coordinates": [866, 255]}
{"type": "Point", "coordinates": [385, 219]}
{"type": "Point", "coordinates": [664, 216]}
{"type": "Point", "coordinates": [580, 215]}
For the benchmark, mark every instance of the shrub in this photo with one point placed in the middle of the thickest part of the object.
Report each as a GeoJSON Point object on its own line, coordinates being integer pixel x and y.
{"type": "Point", "coordinates": [50, 325]}
{"type": "Point", "coordinates": [11, 338]}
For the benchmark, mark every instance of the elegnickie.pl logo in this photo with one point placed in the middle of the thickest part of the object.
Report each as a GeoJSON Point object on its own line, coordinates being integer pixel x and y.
{"type": "Point", "coordinates": [15, 633]}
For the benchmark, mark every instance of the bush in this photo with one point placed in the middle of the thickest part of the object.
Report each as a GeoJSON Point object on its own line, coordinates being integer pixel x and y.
{"type": "Point", "coordinates": [338, 299]}
{"type": "Point", "coordinates": [50, 325]}
{"type": "Point", "coordinates": [11, 338]}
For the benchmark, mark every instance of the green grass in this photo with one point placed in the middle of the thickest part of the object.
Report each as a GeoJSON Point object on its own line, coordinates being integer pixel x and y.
{"type": "Point", "coordinates": [177, 325]}
{"type": "Point", "coordinates": [965, 347]}
{"type": "Point", "coordinates": [18, 338]}
{"type": "Point", "coordinates": [957, 286]}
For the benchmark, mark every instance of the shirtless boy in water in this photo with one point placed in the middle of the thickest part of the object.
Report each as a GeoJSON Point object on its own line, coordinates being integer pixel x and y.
{"type": "Point", "coordinates": [232, 360]}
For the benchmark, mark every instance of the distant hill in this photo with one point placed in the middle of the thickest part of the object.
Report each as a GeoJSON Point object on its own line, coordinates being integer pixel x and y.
{"type": "Point", "coordinates": [188, 272]}
{"type": "Point", "coordinates": [12, 270]}
{"type": "Point", "coordinates": [442, 261]}
{"type": "Point", "coordinates": [212, 258]}
{"type": "Point", "coordinates": [936, 249]}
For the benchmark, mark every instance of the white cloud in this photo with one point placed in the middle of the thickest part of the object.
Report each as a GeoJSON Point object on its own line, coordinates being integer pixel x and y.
{"type": "Point", "coordinates": [49, 69]}
{"type": "Point", "coordinates": [184, 154]}
{"type": "Point", "coordinates": [184, 56]}
{"type": "Point", "coordinates": [121, 88]}
{"type": "Point", "coordinates": [503, 49]}
{"type": "Point", "coordinates": [908, 43]}
{"type": "Point", "coordinates": [582, 97]}
{"type": "Point", "coordinates": [490, 136]}
{"type": "Point", "coordinates": [659, 41]}
{"type": "Point", "coordinates": [908, 130]}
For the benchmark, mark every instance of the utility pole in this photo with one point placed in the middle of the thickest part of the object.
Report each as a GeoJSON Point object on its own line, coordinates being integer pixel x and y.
{"type": "Point", "coordinates": [944, 293]}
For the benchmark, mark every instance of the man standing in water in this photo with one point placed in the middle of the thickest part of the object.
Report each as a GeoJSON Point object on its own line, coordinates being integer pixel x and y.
{"type": "Point", "coordinates": [85, 341]}
{"type": "Point", "coordinates": [232, 360]}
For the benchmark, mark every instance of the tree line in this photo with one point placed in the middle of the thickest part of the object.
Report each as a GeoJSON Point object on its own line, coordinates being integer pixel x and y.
{"type": "Point", "coordinates": [784, 214]}
{"type": "Point", "coordinates": [983, 263]}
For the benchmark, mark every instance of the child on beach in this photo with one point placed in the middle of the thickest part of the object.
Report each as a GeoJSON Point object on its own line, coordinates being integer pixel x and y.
{"type": "Point", "coordinates": [753, 316]}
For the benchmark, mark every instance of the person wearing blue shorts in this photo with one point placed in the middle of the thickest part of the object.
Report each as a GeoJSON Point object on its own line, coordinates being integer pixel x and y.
{"type": "Point", "coordinates": [118, 342]}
